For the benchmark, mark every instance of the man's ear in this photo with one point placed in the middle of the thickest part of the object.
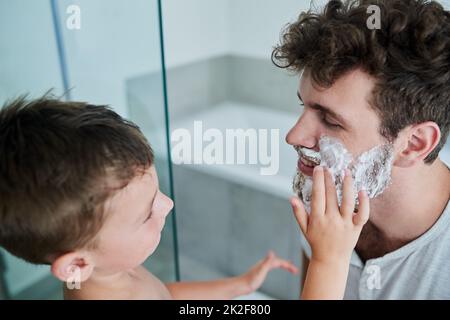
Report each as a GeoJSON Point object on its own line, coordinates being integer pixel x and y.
{"type": "Point", "coordinates": [73, 266]}
{"type": "Point", "coordinates": [419, 141]}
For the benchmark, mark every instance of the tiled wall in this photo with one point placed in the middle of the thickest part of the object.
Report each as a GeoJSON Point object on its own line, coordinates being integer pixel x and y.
{"type": "Point", "coordinates": [206, 83]}
{"type": "Point", "coordinates": [229, 227]}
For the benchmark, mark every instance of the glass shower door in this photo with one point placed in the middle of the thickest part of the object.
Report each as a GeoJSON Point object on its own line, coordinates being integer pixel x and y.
{"type": "Point", "coordinates": [113, 56]}
{"type": "Point", "coordinates": [28, 65]}
{"type": "Point", "coordinates": [100, 51]}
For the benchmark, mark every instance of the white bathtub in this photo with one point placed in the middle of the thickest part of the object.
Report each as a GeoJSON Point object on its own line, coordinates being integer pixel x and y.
{"type": "Point", "coordinates": [233, 115]}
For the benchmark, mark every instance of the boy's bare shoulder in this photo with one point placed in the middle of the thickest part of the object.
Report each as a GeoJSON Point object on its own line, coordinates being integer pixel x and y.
{"type": "Point", "coordinates": [141, 285]}
{"type": "Point", "coordinates": [152, 287]}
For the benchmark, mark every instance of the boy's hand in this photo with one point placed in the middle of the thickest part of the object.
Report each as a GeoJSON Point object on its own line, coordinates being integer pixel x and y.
{"type": "Point", "coordinates": [332, 232]}
{"type": "Point", "coordinates": [254, 278]}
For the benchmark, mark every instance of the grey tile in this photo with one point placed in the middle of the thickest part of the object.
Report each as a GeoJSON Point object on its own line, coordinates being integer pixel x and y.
{"type": "Point", "coordinates": [261, 222]}
{"type": "Point", "coordinates": [145, 99]}
{"type": "Point", "coordinates": [259, 82]}
{"type": "Point", "coordinates": [203, 217]}
{"type": "Point", "coordinates": [229, 227]}
{"type": "Point", "coordinates": [197, 86]}
{"type": "Point", "coordinates": [206, 83]}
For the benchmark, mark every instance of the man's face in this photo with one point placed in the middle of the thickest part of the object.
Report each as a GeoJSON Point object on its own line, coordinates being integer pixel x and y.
{"type": "Point", "coordinates": [341, 112]}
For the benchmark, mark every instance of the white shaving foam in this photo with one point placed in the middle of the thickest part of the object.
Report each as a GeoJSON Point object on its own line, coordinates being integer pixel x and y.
{"type": "Point", "coordinates": [371, 171]}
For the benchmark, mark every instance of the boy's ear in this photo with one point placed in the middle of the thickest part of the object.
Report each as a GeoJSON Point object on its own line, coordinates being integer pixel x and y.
{"type": "Point", "coordinates": [419, 142]}
{"type": "Point", "coordinates": [73, 267]}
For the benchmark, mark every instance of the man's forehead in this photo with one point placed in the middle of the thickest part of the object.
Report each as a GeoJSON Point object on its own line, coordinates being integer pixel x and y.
{"type": "Point", "coordinates": [352, 90]}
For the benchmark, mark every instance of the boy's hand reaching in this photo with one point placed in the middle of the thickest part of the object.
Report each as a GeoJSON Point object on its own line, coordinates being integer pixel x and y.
{"type": "Point", "coordinates": [233, 287]}
{"type": "Point", "coordinates": [254, 278]}
{"type": "Point", "coordinates": [332, 233]}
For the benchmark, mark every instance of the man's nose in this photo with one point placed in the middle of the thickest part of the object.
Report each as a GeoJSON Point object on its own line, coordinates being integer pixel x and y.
{"type": "Point", "coordinates": [304, 133]}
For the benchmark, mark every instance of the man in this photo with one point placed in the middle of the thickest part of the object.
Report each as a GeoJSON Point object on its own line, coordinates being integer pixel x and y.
{"type": "Point", "coordinates": [369, 87]}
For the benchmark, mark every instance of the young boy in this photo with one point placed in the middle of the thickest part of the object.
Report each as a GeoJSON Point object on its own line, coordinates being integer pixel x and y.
{"type": "Point", "coordinates": [78, 191]}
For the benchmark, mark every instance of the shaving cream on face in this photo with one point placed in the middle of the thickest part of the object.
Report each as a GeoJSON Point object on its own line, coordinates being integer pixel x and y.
{"type": "Point", "coordinates": [371, 171]}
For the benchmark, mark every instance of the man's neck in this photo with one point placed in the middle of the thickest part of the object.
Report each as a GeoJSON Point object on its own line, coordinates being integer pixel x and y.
{"type": "Point", "coordinates": [407, 209]}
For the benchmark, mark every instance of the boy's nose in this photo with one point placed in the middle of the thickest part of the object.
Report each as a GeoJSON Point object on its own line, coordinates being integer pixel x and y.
{"type": "Point", "coordinates": [169, 204]}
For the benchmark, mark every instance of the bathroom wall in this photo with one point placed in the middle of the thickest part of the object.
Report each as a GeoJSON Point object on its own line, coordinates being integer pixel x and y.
{"type": "Point", "coordinates": [116, 41]}
{"type": "Point", "coordinates": [221, 50]}
{"type": "Point", "coordinates": [228, 227]}
{"type": "Point", "coordinates": [18, 67]}
{"type": "Point", "coordinates": [255, 25]}
{"type": "Point", "coordinates": [195, 30]}
{"type": "Point", "coordinates": [200, 29]}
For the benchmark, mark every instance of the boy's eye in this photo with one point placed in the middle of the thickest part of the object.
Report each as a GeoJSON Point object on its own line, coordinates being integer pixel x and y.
{"type": "Point", "coordinates": [148, 217]}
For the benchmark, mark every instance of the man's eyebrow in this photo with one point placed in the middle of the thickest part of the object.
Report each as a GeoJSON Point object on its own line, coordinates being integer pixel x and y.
{"type": "Point", "coordinates": [325, 109]}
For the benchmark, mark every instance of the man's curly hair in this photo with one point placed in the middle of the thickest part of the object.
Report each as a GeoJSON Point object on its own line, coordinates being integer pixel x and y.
{"type": "Point", "coordinates": [409, 56]}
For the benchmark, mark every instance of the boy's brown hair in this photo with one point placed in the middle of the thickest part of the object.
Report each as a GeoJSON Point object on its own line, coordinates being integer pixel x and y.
{"type": "Point", "coordinates": [59, 163]}
{"type": "Point", "coordinates": [409, 56]}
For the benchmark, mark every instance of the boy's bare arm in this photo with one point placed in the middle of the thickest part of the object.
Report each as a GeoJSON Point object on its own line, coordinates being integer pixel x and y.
{"type": "Point", "coordinates": [325, 280]}
{"type": "Point", "coordinates": [221, 289]}
{"type": "Point", "coordinates": [304, 270]}
{"type": "Point", "coordinates": [230, 288]}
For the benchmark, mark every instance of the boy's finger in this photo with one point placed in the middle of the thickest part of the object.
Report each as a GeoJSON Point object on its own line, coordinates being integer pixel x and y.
{"type": "Point", "coordinates": [266, 260]}
{"type": "Point", "coordinates": [277, 262]}
{"type": "Point", "coordinates": [300, 214]}
{"type": "Point", "coordinates": [332, 205]}
{"type": "Point", "coordinates": [264, 264]}
{"type": "Point", "coordinates": [348, 196]}
{"type": "Point", "coordinates": [286, 265]}
{"type": "Point", "coordinates": [363, 209]}
{"type": "Point", "coordinates": [318, 192]}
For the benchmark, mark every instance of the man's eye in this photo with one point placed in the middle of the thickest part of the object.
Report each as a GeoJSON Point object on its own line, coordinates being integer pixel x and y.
{"type": "Point", "coordinates": [330, 124]}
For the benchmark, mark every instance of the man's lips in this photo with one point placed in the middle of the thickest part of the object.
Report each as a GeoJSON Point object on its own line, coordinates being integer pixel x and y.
{"type": "Point", "coordinates": [307, 161]}
{"type": "Point", "coordinates": [306, 166]}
